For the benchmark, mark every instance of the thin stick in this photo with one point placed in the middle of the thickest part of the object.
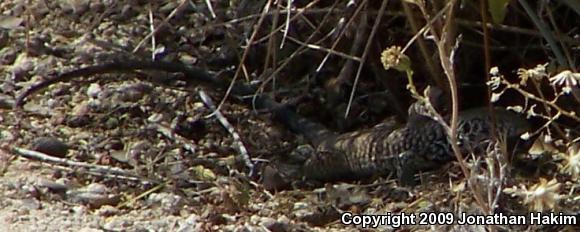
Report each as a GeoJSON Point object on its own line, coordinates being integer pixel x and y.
{"type": "Point", "coordinates": [364, 55]}
{"type": "Point", "coordinates": [423, 47]}
{"type": "Point", "coordinates": [224, 121]}
{"type": "Point", "coordinates": [210, 8]}
{"type": "Point", "coordinates": [446, 53]}
{"type": "Point", "coordinates": [245, 53]}
{"type": "Point", "coordinates": [95, 168]}
{"type": "Point", "coordinates": [546, 33]}
{"type": "Point", "coordinates": [162, 25]}
{"type": "Point", "coordinates": [152, 28]}
{"type": "Point", "coordinates": [340, 35]}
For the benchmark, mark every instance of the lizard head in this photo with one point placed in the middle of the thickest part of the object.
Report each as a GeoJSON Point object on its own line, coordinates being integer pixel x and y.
{"type": "Point", "coordinates": [474, 127]}
{"type": "Point", "coordinates": [510, 123]}
{"type": "Point", "coordinates": [477, 122]}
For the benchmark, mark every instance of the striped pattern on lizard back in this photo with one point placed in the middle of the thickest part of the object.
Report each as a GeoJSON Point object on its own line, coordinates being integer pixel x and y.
{"type": "Point", "coordinates": [421, 145]}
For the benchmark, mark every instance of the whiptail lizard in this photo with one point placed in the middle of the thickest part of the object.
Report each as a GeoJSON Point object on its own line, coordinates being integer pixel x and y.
{"type": "Point", "coordinates": [421, 145]}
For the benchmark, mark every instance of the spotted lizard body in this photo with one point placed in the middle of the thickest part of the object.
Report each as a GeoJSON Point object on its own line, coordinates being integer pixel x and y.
{"type": "Point", "coordinates": [421, 145]}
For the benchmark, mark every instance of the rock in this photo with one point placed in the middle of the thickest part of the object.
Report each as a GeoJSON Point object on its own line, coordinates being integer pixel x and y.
{"type": "Point", "coordinates": [50, 146]}
{"type": "Point", "coordinates": [94, 90]}
{"type": "Point", "coordinates": [107, 211]}
{"type": "Point", "coordinates": [21, 66]}
{"type": "Point", "coordinates": [6, 102]}
{"type": "Point", "coordinates": [191, 128]}
{"type": "Point", "coordinates": [78, 121]}
{"type": "Point", "coordinates": [7, 55]}
{"type": "Point", "coordinates": [51, 185]}
{"type": "Point", "coordinates": [167, 202]}
{"type": "Point", "coordinates": [95, 195]}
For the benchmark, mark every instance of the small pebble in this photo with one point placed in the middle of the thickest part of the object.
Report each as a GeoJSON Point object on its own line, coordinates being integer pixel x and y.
{"type": "Point", "coordinates": [94, 90]}
{"type": "Point", "coordinates": [107, 211]}
{"type": "Point", "coordinates": [51, 185]}
{"type": "Point", "coordinates": [50, 146]}
{"type": "Point", "coordinates": [6, 135]}
{"type": "Point", "coordinates": [7, 55]}
{"type": "Point", "coordinates": [95, 195]}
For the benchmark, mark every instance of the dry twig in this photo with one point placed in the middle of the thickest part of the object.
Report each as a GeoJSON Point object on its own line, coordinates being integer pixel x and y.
{"type": "Point", "coordinates": [100, 170]}
{"type": "Point", "coordinates": [224, 121]}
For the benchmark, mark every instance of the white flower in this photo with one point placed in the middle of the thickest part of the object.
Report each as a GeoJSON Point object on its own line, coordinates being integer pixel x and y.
{"type": "Point", "coordinates": [567, 79]}
{"type": "Point", "coordinates": [572, 164]}
{"type": "Point", "coordinates": [494, 82]}
{"type": "Point", "coordinates": [541, 196]}
{"type": "Point", "coordinates": [495, 97]}
{"type": "Point", "coordinates": [494, 71]}
{"type": "Point", "coordinates": [536, 73]}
